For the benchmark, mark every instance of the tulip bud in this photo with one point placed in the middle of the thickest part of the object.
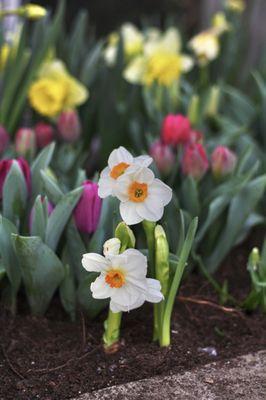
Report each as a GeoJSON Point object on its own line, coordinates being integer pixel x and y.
{"type": "Point", "coordinates": [223, 161]}
{"type": "Point", "coordinates": [195, 161]}
{"type": "Point", "coordinates": [111, 247]}
{"type": "Point", "coordinates": [163, 156]}
{"type": "Point", "coordinates": [4, 139]}
{"type": "Point", "coordinates": [193, 109]}
{"type": "Point", "coordinates": [195, 136]}
{"type": "Point", "coordinates": [88, 210]}
{"type": "Point", "coordinates": [44, 134]}
{"type": "Point", "coordinates": [213, 102]}
{"type": "Point", "coordinates": [175, 129]}
{"type": "Point", "coordinates": [68, 125]}
{"type": "Point", "coordinates": [5, 166]}
{"type": "Point", "coordinates": [25, 142]}
{"type": "Point", "coordinates": [49, 211]}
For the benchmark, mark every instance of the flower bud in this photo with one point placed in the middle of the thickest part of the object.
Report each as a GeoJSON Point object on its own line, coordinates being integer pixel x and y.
{"type": "Point", "coordinates": [195, 136]}
{"type": "Point", "coordinates": [175, 129]}
{"type": "Point", "coordinates": [44, 134]}
{"type": "Point", "coordinates": [50, 209]}
{"type": "Point", "coordinates": [223, 161]}
{"type": "Point", "coordinates": [213, 102]}
{"type": "Point", "coordinates": [195, 162]}
{"type": "Point", "coordinates": [68, 125]}
{"type": "Point", "coordinates": [4, 139]}
{"type": "Point", "coordinates": [88, 210]}
{"type": "Point", "coordinates": [32, 11]}
{"type": "Point", "coordinates": [111, 247]}
{"type": "Point", "coordinates": [25, 142]}
{"type": "Point", "coordinates": [5, 166]}
{"type": "Point", "coordinates": [163, 156]}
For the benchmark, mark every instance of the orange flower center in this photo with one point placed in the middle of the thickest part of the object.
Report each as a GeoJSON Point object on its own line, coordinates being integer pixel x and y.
{"type": "Point", "coordinates": [115, 278]}
{"type": "Point", "coordinates": [118, 170]}
{"type": "Point", "coordinates": [138, 192]}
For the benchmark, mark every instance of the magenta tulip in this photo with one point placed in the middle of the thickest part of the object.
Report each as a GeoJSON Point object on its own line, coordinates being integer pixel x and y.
{"type": "Point", "coordinates": [175, 129]}
{"type": "Point", "coordinates": [68, 125]}
{"type": "Point", "coordinates": [4, 139]}
{"type": "Point", "coordinates": [195, 162]}
{"type": "Point", "coordinates": [5, 166]}
{"type": "Point", "coordinates": [88, 210]}
{"type": "Point", "coordinates": [44, 134]}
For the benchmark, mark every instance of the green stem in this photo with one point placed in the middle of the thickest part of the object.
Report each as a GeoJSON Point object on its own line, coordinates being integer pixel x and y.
{"type": "Point", "coordinates": [166, 326]}
{"type": "Point", "coordinates": [112, 329]}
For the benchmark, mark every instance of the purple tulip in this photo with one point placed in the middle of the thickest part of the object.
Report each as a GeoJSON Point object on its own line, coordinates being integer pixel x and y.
{"type": "Point", "coordinates": [5, 166]}
{"type": "Point", "coordinates": [88, 210]}
{"type": "Point", "coordinates": [68, 125]}
{"type": "Point", "coordinates": [4, 139]}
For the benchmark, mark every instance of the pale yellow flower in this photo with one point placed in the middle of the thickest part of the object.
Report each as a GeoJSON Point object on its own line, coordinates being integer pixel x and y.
{"type": "Point", "coordinates": [33, 11]}
{"type": "Point", "coordinates": [220, 23]}
{"type": "Point", "coordinates": [205, 46]}
{"type": "Point", "coordinates": [56, 90]}
{"type": "Point", "coordinates": [236, 5]}
{"type": "Point", "coordinates": [132, 41]}
{"type": "Point", "coordinates": [161, 61]}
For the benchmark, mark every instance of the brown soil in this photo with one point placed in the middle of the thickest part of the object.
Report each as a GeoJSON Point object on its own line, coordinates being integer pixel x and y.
{"type": "Point", "coordinates": [52, 358]}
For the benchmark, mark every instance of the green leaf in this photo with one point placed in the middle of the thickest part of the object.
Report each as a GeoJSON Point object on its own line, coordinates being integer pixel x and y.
{"type": "Point", "coordinates": [75, 249]}
{"type": "Point", "coordinates": [8, 255]}
{"type": "Point", "coordinates": [68, 293]}
{"type": "Point", "coordinates": [59, 217]}
{"type": "Point", "coordinates": [51, 189]}
{"type": "Point", "coordinates": [38, 219]}
{"type": "Point", "coordinates": [15, 194]}
{"type": "Point", "coordinates": [41, 269]}
{"type": "Point", "coordinates": [190, 196]}
{"type": "Point", "coordinates": [41, 162]}
{"type": "Point", "coordinates": [240, 208]}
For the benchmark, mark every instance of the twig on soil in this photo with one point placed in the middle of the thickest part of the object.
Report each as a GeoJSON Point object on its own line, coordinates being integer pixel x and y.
{"type": "Point", "coordinates": [210, 303]}
{"type": "Point", "coordinates": [11, 366]}
{"type": "Point", "coordinates": [48, 370]}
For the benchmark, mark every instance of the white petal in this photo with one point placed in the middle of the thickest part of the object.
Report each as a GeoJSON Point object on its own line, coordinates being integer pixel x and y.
{"type": "Point", "coordinates": [135, 70]}
{"type": "Point", "coordinates": [125, 295]}
{"type": "Point", "coordinates": [115, 307]}
{"type": "Point", "coordinates": [161, 191]}
{"type": "Point", "coordinates": [106, 187]}
{"type": "Point", "coordinates": [105, 172]}
{"type": "Point", "coordinates": [143, 175]}
{"type": "Point", "coordinates": [143, 161]}
{"type": "Point", "coordinates": [100, 289]}
{"type": "Point", "coordinates": [119, 155]}
{"type": "Point", "coordinates": [129, 214]}
{"type": "Point", "coordinates": [136, 264]}
{"type": "Point", "coordinates": [154, 294]}
{"type": "Point", "coordinates": [94, 262]}
{"type": "Point", "coordinates": [150, 210]}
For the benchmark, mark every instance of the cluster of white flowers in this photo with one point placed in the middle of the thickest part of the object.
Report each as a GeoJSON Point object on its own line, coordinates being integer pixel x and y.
{"type": "Point", "coordinates": [141, 195]}
{"type": "Point", "coordinates": [122, 277]}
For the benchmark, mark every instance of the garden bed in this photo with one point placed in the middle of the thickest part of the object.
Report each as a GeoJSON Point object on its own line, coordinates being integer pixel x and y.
{"type": "Point", "coordinates": [51, 358]}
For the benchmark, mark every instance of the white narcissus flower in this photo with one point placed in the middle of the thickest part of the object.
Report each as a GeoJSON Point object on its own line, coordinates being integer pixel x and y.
{"type": "Point", "coordinates": [118, 162]}
{"type": "Point", "coordinates": [142, 196]}
{"type": "Point", "coordinates": [206, 46]}
{"type": "Point", "coordinates": [123, 279]}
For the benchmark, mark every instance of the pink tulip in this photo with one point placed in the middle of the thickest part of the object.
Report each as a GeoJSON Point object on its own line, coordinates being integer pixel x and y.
{"type": "Point", "coordinates": [4, 139]}
{"type": "Point", "coordinates": [163, 156]}
{"type": "Point", "coordinates": [88, 210]}
{"type": "Point", "coordinates": [223, 161]}
{"type": "Point", "coordinates": [195, 136]}
{"type": "Point", "coordinates": [44, 134]}
{"type": "Point", "coordinates": [25, 141]}
{"type": "Point", "coordinates": [195, 162]}
{"type": "Point", "coordinates": [68, 125]}
{"type": "Point", "coordinates": [5, 166]}
{"type": "Point", "coordinates": [175, 129]}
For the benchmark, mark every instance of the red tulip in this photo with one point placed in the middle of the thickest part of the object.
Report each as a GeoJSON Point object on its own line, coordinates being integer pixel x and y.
{"type": "Point", "coordinates": [68, 125]}
{"type": "Point", "coordinates": [163, 156]}
{"type": "Point", "coordinates": [25, 141]}
{"type": "Point", "coordinates": [175, 129]}
{"type": "Point", "coordinates": [4, 139]}
{"type": "Point", "coordinates": [223, 161]}
{"type": "Point", "coordinates": [195, 162]}
{"type": "Point", "coordinates": [44, 134]}
{"type": "Point", "coordinates": [5, 166]}
{"type": "Point", "coordinates": [88, 210]}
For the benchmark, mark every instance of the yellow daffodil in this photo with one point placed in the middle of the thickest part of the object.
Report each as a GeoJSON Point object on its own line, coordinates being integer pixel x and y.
{"type": "Point", "coordinates": [4, 54]}
{"type": "Point", "coordinates": [236, 5]}
{"type": "Point", "coordinates": [132, 41]}
{"type": "Point", "coordinates": [161, 61]}
{"type": "Point", "coordinates": [220, 23]}
{"type": "Point", "coordinates": [56, 90]}
{"type": "Point", "coordinates": [205, 46]}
